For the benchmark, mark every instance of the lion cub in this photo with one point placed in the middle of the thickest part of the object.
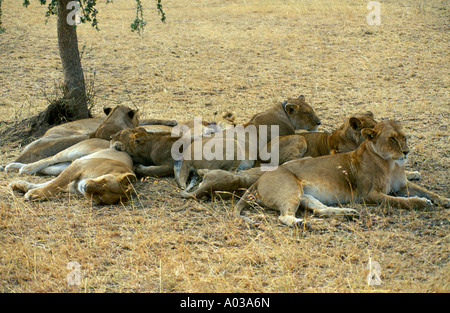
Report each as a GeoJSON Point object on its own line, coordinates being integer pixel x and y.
{"type": "Point", "coordinates": [150, 152]}
{"type": "Point", "coordinates": [369, 174]}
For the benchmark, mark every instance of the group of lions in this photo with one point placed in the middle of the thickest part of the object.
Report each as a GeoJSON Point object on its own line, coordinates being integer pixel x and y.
{"type": "Point", "coordinates": [362, 160]}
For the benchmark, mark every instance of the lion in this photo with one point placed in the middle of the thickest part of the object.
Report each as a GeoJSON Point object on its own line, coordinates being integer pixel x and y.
{"type": "Point", "coordinates": [150, 152]}
{"type": "Point", "coordinates": [105, 176]}
{"type": "Point", "coordinates": [213, 155]}
{"type": "Point", "coordinates": [227, 118]}
{"type": "Point", "coordinates": [310, 144]}
{"type": "Point", "coordinates": [60, 137]}
{"type": "Point", "coordinates": [374, 173]}
{"type": "Point", "coordinates": [314, 144]}
{"type": "Point", "coordinates": [289, 116]}
{"type": "Point", "coordinates": [54, 165]}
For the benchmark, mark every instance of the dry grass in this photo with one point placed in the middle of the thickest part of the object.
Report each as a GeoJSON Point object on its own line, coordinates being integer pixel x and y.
{"type": "Point", "coordinates": [212, 56]}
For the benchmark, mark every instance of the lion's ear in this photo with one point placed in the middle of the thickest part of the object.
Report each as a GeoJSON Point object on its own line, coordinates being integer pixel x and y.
{"type": "Point", "coordinates": [291, 108]}
{"type": "Point", "coordinates": [107, 110]}
{"type": "Point", "coordinates": [355, 123]}
{"type": "Point", "coordinates": [369, 133]}
{"type": "Point", "coordinates": [127, 179]}
{"type": "Point", "coordinates": [132, 113]}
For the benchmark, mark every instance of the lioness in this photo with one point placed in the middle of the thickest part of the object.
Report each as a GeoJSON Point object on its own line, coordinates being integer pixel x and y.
{"type": "Point", "coordinates": [211, 157]}
{"type": "Point", "coordinates": [313, 144]}
{"type": "Point", "coordinates": [344, 139]}
{"type": "Point", "coordinates": [150, 152]}
{"type": "Point", "coordinates": [290, 115]}
{"type": "Point", "coordinates": [368, 174]}
{"type": "Point", "coordinates": [227, 118]}
{"type": "Point", "coordinates": [105, 176]}
{"type": "Point", "coordinates": [60, 137]}
{"type": "Point", "coordinates": [54, 165]}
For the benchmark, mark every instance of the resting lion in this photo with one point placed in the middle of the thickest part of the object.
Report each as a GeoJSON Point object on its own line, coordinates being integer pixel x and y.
{"type": "Point", "coordinates": [54, 165]}
{"type": "Point", "coordinates": [344, 139]}
{"type": "Point", "coordinates": [314, 144]}
{"type": "Point", "coordinates": [150, 152]}
{"type": "Point", "coordinates": [288, 116]}
{"type": "Point", "coordinates": [225, 159]}
{"type": "Point", "coordinates": [60, 137]}
{"type": "Point", "coordinates": [369, 174]}
{"type": "Point", "coordinates": [105, 176]}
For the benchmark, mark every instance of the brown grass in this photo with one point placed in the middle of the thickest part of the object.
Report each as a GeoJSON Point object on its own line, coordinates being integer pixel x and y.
{"type": "Point", "coordinates": [209, 57]}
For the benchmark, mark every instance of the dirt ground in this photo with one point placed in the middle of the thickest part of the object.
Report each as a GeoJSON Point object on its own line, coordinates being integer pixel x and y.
{"type": "Point", "coordinates": [245, 56]}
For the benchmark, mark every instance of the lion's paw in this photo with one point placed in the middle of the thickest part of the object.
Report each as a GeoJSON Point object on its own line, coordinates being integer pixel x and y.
{"type": "Point", "coordinates": [292, 221]}
{"type": "Point", "coordinates": [13, 167]}
{"type": "Point", "coordinates": [414, 175]}
{"type": "Point", "coordinates": [140, 169]}
{"type": "Point", "coordinates": [19, 186]}
{"type": "Point", "coordinates": [351, 213]}
{"type": "Point", "coordinates": [27, 169]}
{"type": "Point", "coordinates": [35, 195]}
{"type": "Point", "coordinates": [421, 203]}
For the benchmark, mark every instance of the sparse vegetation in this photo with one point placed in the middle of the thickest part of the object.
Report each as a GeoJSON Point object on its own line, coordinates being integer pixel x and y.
{"type": "Point", "coordinates": [213, 56]}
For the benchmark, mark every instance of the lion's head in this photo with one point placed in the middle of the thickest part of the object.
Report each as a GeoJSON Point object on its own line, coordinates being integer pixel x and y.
{"type": "Point", "coordinates": [388, 140]}
{"type": "Point", "coordinates": [128, 140]}
{"type": "Point", "coordinates": [351, 131]}
{"type": "Point", "coordinates": [133, 141]}
{"type": "Point", "coordinates": [301, 114]}
{"type": "Point", "coordinates": [109, 189]}
{"type": "Point", "coordinates": [119, 118]}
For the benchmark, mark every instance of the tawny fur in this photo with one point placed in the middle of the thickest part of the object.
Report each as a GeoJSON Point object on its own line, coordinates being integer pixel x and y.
{"type": "Point", "coordinates": [370, 174]}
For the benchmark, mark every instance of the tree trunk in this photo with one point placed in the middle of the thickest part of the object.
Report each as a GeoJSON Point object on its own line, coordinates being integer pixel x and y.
{"type": "Point", "coordinates": [74, 104]}
{"type": "Point", "coordinates": [74, 89]}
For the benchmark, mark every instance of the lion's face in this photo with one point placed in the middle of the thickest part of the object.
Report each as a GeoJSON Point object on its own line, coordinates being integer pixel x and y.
{"type": "Point", "coordinates": [119, 118]}
{"type": "Point", "coordinates": [388, 140]}
{"type": "Point", "coordinates": [131, 141]}
{"type": "Point", "coordinates": [356, 123]}
{"type": "Point", "coordinates": [301, 114]}
{"type": "Point", "coordinates": [128, 140]}
{"type": "Point", "coordinates": [109, 189]}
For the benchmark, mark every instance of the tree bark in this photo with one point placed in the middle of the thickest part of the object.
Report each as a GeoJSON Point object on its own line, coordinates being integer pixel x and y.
{"type": "Point", "coordinates": [74, 89]}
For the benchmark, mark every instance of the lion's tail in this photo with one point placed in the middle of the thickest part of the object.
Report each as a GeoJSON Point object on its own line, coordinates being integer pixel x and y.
{"type": "Point", "coordinates": [176, 171]}
{"type": "Point", "coordinates": [193, 177]}
{"type": "Point", "coordinates": [243, 203]}
{"type": "Point", "coordinates": [184, 173]}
